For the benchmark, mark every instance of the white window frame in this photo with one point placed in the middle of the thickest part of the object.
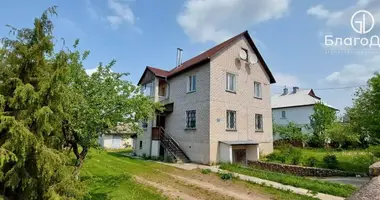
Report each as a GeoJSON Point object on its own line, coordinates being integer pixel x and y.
{"type": "Point", "coordinates": [229, 113]}
{"type": "Point", "coordinates": [191, 115]}
{"type": "Point", "coordinates": [258, 90]}
{"type": "Point", "coordinates": [259, 121]}
{"type": "Point", "coordinates": [228, 81]}
{"type": "Point", "coordinates": [192, 83]}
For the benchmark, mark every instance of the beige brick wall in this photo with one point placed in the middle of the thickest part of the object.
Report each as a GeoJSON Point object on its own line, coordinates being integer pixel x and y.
{"type": "Point", "coordinates": [243, 102]}
{"type": "Point", "coordinates": [195, 143]}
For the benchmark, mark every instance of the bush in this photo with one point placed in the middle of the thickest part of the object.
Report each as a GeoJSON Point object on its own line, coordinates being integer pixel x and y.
{"type": "Point", "coordinates": [375, 150]}
{"type": "Point", "coordinates": [295, 155]}
{"type": "Point", "coordinates": [226, 176]}
{"type": "Point", "coordinates": [206, 171]}
{"type": "Point", "coordinates": [276, 157]}
{"type": "Point", "coordinates": [331, 161]}
{"type": "Point", "coordinates": [311, 161]}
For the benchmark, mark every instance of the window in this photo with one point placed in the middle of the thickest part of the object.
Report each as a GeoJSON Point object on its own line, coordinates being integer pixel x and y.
{"type": "Point", "coordinates": [231, 120]}
{"type": "Point", "coordinates": [191, 83]}
{"type": "Point", "coordinates": [144, 124]}
{"type": "Point", "coordinates": [191, 119]}
{"type": "Point", "coordinates": [231, 82]}
{"type": "Point", "coordinates": [246, 54]}
{"type": "Point", "coordinates": [148, 89]}
{"type": "Point", "coordinates": [140, 144]}
{"type": "Point", "coordinates": [257, 90]}
{"type": "Point", "coordinates": [259, 122]}
{"type": "Point", "coordinates": [283, 114]}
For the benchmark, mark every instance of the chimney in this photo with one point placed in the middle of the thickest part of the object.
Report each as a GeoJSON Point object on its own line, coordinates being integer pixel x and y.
{"type": "Point", "coordinates": [295, 89]}
{"type": "Point", "coordinates": [285, 91]}
{"type": "Point", "coordinates": [179, 57]}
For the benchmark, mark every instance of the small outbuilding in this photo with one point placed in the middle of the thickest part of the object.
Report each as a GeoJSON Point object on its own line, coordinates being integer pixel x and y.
{"type": "Point", "coordinates": [119, 138]}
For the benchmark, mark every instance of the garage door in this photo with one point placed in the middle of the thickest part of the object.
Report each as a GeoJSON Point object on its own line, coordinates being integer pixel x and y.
{"type": "Point", "coordinates": [116, 142]}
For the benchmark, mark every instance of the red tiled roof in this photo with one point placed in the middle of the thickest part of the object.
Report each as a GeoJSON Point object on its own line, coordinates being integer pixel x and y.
{"type": "Point", "coordinates": [205, 56]}
{"type": "Point", "coordinates": [159, 72]}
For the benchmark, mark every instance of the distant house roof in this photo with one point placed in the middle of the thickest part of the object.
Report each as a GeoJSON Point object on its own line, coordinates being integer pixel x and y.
{"type": "Point", "coordinates": [121, 129]}
{"type": "Point", "coordinates": [205, 57]}
{"type": "Point", "coordinates": [298, 99]}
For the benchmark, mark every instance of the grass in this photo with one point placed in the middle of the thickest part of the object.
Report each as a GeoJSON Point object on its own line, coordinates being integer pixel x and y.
{"type": "Point", "coordinates": [348, 160]}
{"type": "Point", "coordinates": [109, 175]}
{"type": "Point", "coordinates": [296, 181]}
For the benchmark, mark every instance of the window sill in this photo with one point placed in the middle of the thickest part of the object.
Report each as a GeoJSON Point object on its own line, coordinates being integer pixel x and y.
{"type": "Point", "coordinates": [190, 129]}
{"type": "Point", "coordinates": [259, 131]}
{"type": "Point", "coordinates": [231, 130]}
{"type": "Point", "coordinates": [189, 92]}
{"type": "Point", "coordinates": [259, 98]}
{"type": "Point", "coordinates": [229, 91]}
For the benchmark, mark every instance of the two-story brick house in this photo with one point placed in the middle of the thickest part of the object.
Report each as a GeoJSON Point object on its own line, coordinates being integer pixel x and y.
{"type": "Point", "coordinates": [218, 106]}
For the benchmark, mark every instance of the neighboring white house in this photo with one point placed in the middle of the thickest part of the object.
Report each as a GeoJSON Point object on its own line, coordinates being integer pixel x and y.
{"type": "Point", "coordinates": [217, 106]}
{"type": "Point", "coordinates": [119, 138]}
{"type": "Point", "coordinates": [295, 106]}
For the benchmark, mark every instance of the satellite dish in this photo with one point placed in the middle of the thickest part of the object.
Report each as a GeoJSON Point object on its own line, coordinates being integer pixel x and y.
{"type": "Point", "coordinates": [243, 54]}
{"type": "Point", "coordinates": [253, 59]}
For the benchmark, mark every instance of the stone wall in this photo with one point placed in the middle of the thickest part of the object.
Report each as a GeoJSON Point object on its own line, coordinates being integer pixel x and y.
{"type": "Point", "coordinates": [300, 170]}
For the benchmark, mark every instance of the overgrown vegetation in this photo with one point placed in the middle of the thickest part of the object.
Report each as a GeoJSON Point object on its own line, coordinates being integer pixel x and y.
{"type": "Point", "coordinates": [296, 181]}
{"type": "Point", "coordinates": [48, 105]}
{"type": "Point", "coordinates": [206, 171]}
{"type": "Point", "coordinates": [348, 160]}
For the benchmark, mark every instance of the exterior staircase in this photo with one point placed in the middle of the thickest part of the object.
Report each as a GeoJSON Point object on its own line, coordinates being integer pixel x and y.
{"type": "Point", "coordinates": [172, 147]}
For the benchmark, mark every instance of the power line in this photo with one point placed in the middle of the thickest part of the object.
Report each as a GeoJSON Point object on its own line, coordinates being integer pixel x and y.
{"type": "Point", "coordinates": [330, 88]}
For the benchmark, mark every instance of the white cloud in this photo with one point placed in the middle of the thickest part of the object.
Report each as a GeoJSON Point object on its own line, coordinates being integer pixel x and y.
{"type": "Point", "coordinates": [217, 20]}
{"type": "Point", "coordinates": [91, 71]}
{"type": "Point", "coordinates": [343, 16]}
{"type": "Point", "coordinates": [121, 12]}
{"type": "Point", "coordinates": [286, 80]}
{"type": "Point", "coordinates": [356, 73]}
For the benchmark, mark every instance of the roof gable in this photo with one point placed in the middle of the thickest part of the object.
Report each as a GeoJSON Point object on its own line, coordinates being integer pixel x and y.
{"type": "Point", "coordinates": [205, 57]}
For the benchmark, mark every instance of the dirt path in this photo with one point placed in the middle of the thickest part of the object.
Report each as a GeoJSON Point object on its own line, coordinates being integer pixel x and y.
{"type": "Point", "coordinates": [221, 190]}
{"type": "Point", "coordinates": [170, 192]}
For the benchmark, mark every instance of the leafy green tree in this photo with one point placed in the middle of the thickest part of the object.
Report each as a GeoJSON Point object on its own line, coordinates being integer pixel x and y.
{"type": "Point", "coordinates": [322, 118]}
{"type": "Point", "coordinates": [364, 116]}
{"type": "Point", "coordinates": [32, 165]}
{"type": "Point", "coordinates": [341, 134]}
{"type": "Point", "coordinates": [291, 132]}
{"type": "Point", "coordinates": [99, 103]}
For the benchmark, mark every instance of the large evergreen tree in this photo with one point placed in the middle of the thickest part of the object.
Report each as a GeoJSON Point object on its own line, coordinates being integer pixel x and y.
{"type": "Point", "coordinates": [31, 101]}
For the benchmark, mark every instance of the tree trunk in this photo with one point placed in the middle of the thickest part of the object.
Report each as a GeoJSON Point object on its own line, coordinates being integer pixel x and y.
{"type": "Point", "coordinates": [80, 158]}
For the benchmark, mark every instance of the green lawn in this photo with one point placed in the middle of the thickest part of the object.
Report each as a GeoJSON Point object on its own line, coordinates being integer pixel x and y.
{"type": "Point", "coordinates": [296, 181]}
{"type": "Point", "coordinates": [348, 160]}
{"type": "Point", "coordinates": [108, 175]}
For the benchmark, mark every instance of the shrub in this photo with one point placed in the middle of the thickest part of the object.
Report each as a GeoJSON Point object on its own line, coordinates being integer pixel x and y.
{"type": "Point", "coordinates": [375, 150]}
{"type": "Point", "coordinates": [206, 171]}
{"type": "Point", "coordinates": [226, 176]}
{"type": "Point", "coordinates": [311, 161]}
{"type": "Point", "coordinates": [276, 156]}
{"type": "Point", "coordinates": [331, 161]}
{"type": "Point", "coordinates": [295, 155]}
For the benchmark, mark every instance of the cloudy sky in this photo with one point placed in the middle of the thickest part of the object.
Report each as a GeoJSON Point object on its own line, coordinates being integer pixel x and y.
{"type": "Point", "coordinates": [289, 34]}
